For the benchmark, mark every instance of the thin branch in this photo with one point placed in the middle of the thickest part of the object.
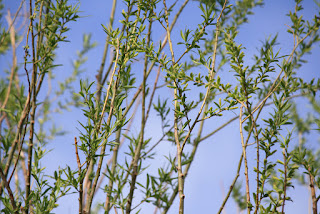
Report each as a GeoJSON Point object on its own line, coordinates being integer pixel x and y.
{"type": "Point", "coordinates": [105, 52]}
{"type": "Point", "coordinates": [113, 168]}
{"type": "Point", "coordinates": [245, 161]}
{"type": "Point", "coordinates": [103, 147]}
{"type": "Point", "coordinates": [232, 185]}
{"type": "Point", "coordinates": [153, 91]}
{"type": "Point", "coordinates": [164, 42]}
{"type": "Point", "coordinates": [110, 161]}
{"type": "Point", "coordinates": [80, 179]}
{"type": "Point", "coordinates": [212, 73]}
{"type": "Point", "coordinates": [176, 135]}
{"type": "Point", "coordinates": [14, 61]}
{"type": "Point", "coordinates": [11, 24]}
{"type": "Point", "coordinates": [21, 122]}
{"type": "Point", "coordinates": [138, 149]}
{"type": "Point", "coordinates": [285, 180]}
{"type": "Point", "coordinates": [313, 192]}
{"type": "Point", "coordinates": [13, 203]}
{"type": "Point", "coordinates": [32, 114]}
{"type": "Point", "coordinates": [276, 83]}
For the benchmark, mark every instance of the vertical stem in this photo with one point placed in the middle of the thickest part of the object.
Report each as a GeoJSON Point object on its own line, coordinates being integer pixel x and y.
{"type": "Point", "coordinates": [176, 135]}
{"type": "Point", "coordinates": [23, 118]}
{"type": "Point", "coordinates": [137, 152]}
{"type": "Point", "coordinates": [91, 189]}
{"type": "Point", "coordinates": [148, 72]}
{"type": "Point", "coordinates": [285, 179]}
{"type": "Point", "coordinates": [254, 127]}
{"type": "Point", "coordinates": [105, 52]}
{"type": "Point", "coordinates": [14, 64]}
{"type": "Point", "coordinates": [313, 193]}
{"type": "Point", "coordinates": [245, 161]}
{"type": "Point", "coordinates": [13, 203]}
{"type": "Point", "coordinates": [113, 167]}
{"type": "Point", "coordinates": [81, 179]}
{"type": "Point", "coordinates": [32, 114]}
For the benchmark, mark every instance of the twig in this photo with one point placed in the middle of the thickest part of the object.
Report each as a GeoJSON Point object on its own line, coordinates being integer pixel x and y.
{"type": "Point", "coordinates": [212, 73]}
{"type": "Point", "coordinates": [14, 62]}
{"type": "Point", "coordinates": [285, 180]}
{"type": "Point", "coordinates": [176, 135]}
{"type": "Point", "coordinates": [14, 19]}
{"type": "Point", "coordinates": [232, 185]}
{"type": "Point", "coordinates": [138, 149]}
{"type": "Point", "coordinates": [32, 114]}
{"type": "Point", "coordinates": [275, 84]}
{"type": "Point", "coordinates": [80, 179]}
{"type": "Point", "coordinates": [110, 161]}
{"type": "Point", "coordinates": [245, 160]}
{"type": "Point", "coordinates": [13, 68]}
{"type": "Point", "coordinates": [13, 203]}
{"type": "Point", "coordinates": [113, 167]}
{"type": "Point", "coordinates": [313, 192]}
{"type": "Point", "coordinates": [164, 42]}
{"type": "Point", "coordinates": [105, 52]}
{"type": "Point", "coordinates": [91, 192]}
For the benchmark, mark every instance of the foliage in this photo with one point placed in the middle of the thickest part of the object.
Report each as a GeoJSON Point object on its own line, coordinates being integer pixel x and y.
{"type": "Point", "coordinates": [263, 93]}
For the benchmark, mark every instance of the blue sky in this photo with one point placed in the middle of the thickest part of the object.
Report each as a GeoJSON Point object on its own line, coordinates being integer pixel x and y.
{"type": "Point", "coordinates": [215, 165]}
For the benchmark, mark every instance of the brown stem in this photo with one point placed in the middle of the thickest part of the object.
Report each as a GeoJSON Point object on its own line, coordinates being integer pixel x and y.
{"type": "Point", "coordinates": [14, 62]}
{"type": "Point", "coordinates": [13, 203]}
{"type": "Point", "coordinates": [134, 174]}
{"type": "Point", "coordinates": [192, 155]}
{"type": "Point", "coordinates": [14, 19]}
{"type": "Point", "coordinates": [181, 176]}
{"type": "Point", "coordinates": [32, 114]}
{"type": "Point", "coordinates": [13, 71]}
{"type": "Point", "coordinates": [313, 192]}
{"type": "Point", "coordinates": [240, 161]}
{"type": "Point", "coordinates": [20, 125]}
{"type": "Point", "coordinates": [212, 75]}
{"type": "Point", "coordinates": [81, 179]}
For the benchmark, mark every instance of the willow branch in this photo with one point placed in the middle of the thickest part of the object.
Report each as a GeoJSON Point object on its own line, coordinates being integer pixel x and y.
{"type": "Point", "coordinates": [91, 191]}
{"type": "Point", "coordinates": [32, 114]}
{"type": "Point", "coordinates": [105, 52]}
{"type": "Point", "coordinates": [137, 153]}
{"type": "Point", "coordinates": [13, 203]}
{"type": "Point", "coordinates": [11, 24]}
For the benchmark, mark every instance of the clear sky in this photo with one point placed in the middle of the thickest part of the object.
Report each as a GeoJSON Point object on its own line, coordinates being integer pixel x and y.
{"type": "Point", "coordinates": [215, 164]}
